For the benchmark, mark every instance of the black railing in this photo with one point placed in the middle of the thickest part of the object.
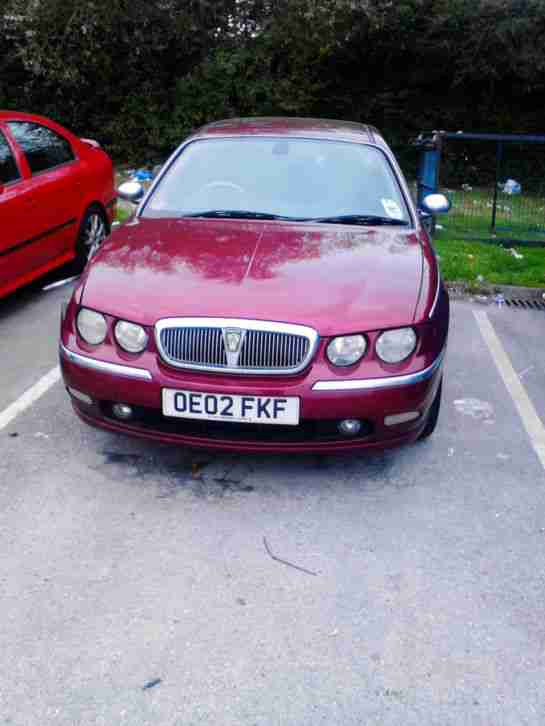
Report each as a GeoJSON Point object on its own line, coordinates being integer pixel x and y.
{"type": "Point", "coordinates": [496, 183]}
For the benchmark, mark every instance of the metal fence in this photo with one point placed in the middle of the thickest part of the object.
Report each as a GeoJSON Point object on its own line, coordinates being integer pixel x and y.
{"type": "Point", "coordinates": [496, 184]}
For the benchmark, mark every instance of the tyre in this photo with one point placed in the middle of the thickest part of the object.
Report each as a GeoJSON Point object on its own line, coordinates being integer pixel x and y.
{"type": "Point", "coordinates": [93, 231]}
{"type": "Point", "coordinates": [433, 415]}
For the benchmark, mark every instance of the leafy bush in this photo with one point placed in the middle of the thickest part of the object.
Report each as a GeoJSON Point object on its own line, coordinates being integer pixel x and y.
{"type": "Point", "coordinates": [139, 75]}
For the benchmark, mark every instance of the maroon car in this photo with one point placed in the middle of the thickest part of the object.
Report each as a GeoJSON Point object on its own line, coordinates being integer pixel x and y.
{"type": "Point", "coordinates": [276, 290]}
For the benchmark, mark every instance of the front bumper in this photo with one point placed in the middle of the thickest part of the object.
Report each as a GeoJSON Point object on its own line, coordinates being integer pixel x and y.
{"type": "Point", "coordinates": [324, 401]}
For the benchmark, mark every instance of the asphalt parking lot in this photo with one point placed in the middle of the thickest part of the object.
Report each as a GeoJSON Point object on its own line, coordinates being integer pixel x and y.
{"type": "Point", "coordinates": [136, 587]}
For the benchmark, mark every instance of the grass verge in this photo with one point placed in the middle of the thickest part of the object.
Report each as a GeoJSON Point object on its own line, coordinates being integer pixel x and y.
{"type": "Point", "coordinates": [464, 258]}
{"type": "Point", "coordinates": [122, 214]}
{"type": "Point", "coordinates": [465, 261]}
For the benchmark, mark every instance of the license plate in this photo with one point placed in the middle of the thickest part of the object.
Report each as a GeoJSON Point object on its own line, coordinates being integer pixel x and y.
{"type": "Point", "coordinates": [224, 407]}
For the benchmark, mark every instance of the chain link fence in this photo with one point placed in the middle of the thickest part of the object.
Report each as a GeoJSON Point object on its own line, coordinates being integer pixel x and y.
{"type": "Point", "coordinates": [496, 184]}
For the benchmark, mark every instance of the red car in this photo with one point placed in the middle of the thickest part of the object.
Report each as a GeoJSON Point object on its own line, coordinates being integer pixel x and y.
{"type": "Point", "coordinates": [57, 198]}
{"type": "Point", "coordinates": [276, 290]}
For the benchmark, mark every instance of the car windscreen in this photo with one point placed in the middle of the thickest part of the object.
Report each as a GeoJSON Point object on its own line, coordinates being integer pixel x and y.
{"type": "Point", "coordinates": [288, 178]}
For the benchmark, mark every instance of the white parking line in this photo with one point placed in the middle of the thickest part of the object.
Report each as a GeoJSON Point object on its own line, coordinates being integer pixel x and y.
{"type": "Point", "coordinates": [29, 397]}
{"type": "Point", "coordinates": [528, 414]}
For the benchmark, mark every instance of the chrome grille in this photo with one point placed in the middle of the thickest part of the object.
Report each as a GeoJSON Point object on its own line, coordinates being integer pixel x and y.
{"type": "Point", "coordinates": [272, 350]}
{"type": "Point", "coordinates": [263, 347]}
{"type": "Point", "coordinates": [197, 346]}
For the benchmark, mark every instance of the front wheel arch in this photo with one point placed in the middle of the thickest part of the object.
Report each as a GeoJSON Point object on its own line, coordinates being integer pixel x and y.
{"type": "Point", "coordinates": [433, 414]}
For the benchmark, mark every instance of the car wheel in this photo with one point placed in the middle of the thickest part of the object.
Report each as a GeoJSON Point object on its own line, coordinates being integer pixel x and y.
{"type": "Point", "coordinates": [93, 231]}
{"type": "Point", "coordinates": [433, 415]}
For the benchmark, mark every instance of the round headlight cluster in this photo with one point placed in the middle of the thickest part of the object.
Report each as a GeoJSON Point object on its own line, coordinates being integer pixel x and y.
{"type": "Point", "coordinates": [130, 336]}
{"type": "Point", "coordinates": [91, 326]}
{"type": "Point", "coordinates": [346, 350]}
{"type": "Point", "coordinates": [393, 346]}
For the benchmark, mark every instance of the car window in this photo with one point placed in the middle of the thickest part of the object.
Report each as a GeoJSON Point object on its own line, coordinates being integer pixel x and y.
{"type": "Point", "coordinates": [43, 148]}
{"type": "Point", "coordinates": [301, 178]}
{"type": "Point", "coordinates": [8, 167]}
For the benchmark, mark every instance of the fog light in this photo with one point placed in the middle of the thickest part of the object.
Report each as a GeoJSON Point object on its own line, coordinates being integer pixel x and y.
{"type": "Point", "coordinates": [399, 418]}
{"type": "Point", "coordinates": [122, 411]}
{"type": "Point", "coordinates": [350, 426]}
{"type": "Point", "coordinates": [83, 397]}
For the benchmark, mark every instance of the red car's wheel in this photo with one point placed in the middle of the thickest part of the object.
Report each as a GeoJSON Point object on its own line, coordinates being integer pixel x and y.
{"type": "Point", "coordinates": [93, 231]}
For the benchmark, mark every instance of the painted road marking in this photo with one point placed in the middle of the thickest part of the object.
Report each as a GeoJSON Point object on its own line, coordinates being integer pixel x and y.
{"type": "Point", "coordinates": [528, 414]}
{"type": "Point", "coordinates": [29, 397]}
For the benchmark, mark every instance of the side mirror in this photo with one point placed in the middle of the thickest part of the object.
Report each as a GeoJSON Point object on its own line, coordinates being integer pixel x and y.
{"type": "Point", "coordinates": [131, 191]}
{"type": "Point", "coordinates": [435, 204]}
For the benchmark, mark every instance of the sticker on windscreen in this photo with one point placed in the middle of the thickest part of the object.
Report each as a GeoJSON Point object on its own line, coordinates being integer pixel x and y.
{"type": "Point", "coordinates": [392, 208]}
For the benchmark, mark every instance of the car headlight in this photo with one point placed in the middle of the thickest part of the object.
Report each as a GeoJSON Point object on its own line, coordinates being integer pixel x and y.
{"type": "Point", "coordinates": [91, 326]}
{"type": "Point", "coordinates": [131, 337]}
{"type": "Point", "coordinates": [346, 349]}
{"type": "Point", "coordinates": [393, 346]}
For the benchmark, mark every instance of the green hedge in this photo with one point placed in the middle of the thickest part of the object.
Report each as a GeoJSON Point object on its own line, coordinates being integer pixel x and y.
{"type": "Point", "coordinates": [139, 75]}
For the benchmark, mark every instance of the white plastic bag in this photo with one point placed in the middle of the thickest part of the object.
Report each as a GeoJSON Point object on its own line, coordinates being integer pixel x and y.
{"type": "Point", "coordinates": [512, 186]}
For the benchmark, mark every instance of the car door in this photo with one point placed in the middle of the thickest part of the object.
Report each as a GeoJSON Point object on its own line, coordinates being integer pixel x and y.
{"type": "Point", "coordinates": [14, 208]}
{"type": "Point", "coordinates": [55, 189]}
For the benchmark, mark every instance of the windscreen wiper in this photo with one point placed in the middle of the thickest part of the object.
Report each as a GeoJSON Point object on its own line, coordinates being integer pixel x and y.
{"type": "Point", "coordinates": [235, 214]}
{"type": "Point", "coordinates": [363, 219]}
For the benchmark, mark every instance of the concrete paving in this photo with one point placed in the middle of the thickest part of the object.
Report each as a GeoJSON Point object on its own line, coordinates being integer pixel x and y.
{"type": "Point", "coordinates": [136, 588]}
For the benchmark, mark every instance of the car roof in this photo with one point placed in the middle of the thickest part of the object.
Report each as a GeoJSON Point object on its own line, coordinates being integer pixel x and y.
{"type": "Point", "coordinates": [286, 126]}
{"type": "Point", "coordinates": [7, 115]}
